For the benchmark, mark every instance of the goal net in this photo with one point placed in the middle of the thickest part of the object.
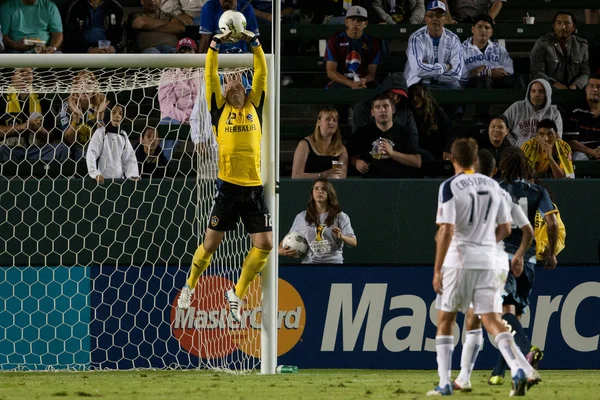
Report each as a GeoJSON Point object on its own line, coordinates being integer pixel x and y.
{"type": "Point", "coordinates": [90, 273]}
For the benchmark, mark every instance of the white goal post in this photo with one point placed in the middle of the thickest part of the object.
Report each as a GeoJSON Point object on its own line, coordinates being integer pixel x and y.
{"type": "Point", "coordinates": [269, 158]}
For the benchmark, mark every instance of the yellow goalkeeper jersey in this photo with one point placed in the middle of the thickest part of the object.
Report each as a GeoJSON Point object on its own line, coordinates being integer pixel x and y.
{"type": "Point", "coordinates": [238, 131]}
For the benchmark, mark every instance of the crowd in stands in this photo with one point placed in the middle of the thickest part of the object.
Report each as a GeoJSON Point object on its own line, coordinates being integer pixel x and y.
{"type": "Point", "coordinates": [394, 134]}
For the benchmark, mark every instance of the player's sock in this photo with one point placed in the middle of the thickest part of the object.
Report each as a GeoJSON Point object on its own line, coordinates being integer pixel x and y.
{"type": "Point", "coordinates": [519, 333]}
{"type": "Point", "coordinates": [511, 353]}
{"type": "Point", "coordinates": [469, 354]}
{"type": "Point", "coordinates": [253, 264]}
{"type": "Point", "coordinates": [200, 262]}
{"type": "Point", "coordinates": [444, 345]}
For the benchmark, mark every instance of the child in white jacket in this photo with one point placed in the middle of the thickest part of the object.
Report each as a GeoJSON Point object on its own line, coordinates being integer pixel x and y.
{"type": "Point", "coordinates": [110, 154]}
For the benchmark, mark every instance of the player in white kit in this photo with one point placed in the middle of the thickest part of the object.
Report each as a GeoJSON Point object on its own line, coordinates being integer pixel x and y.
{"type": "Point", "coordinates": [472, 217]}
{"type": "Point", "coordinates": [486, 165]}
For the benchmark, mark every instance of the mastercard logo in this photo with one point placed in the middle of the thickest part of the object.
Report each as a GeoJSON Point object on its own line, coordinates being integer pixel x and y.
{"type": "Point", "coordinates": [208, 330]}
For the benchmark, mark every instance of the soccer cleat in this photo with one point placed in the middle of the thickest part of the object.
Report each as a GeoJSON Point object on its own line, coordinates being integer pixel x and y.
{"type": "Point", "coordinates": [534, 357]}
{"type": "Point", "coordinates": [235, 304]}
{"type": "Point", "coordinates": [533, 379]}
{"type": "Point", "coordinates": [185, 298]}
{"type": "Point", "coordinates": [438, 391]}
{"type": "Point", "coordinates": [519, 384]}
{"type": "Point", "coordinates": [496, 380]}
{"type": "Point", "coordinates": [463, 387]}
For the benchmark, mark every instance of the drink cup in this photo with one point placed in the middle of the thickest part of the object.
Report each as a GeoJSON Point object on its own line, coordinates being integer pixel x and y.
{"type": "Point", "coordinates": [103, 44]}
{"type": "Point", "coordinates": [529, 20]}
{"type": "Point", "coordinates": [337, 166]}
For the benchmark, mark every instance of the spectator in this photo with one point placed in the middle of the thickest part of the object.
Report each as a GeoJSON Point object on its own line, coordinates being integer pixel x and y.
{"type": "Point", "coordinates": [523, 116]}
{"type": "Point", "coordinates": [37, 20]}
{"type": "Point", "coordinates": [324, 226]}
{"type": "Point", "coordinates": [322, 154]}
{"type": "Point", "coordinates": [90, 21]}
{"type": "Point", "coordinates": [110, 154]}
{"type": "Point", "coordinates": [549, 156]}
{"type": "Point", "coordinates": [582, 126]}
{"type": "Point", "coordinates": [156, 33]}
{"type": "Point", "coordinates": [465, 10]}
{"type": "Point", "coordinates": [352, 56]}
{"type": "Point", "coordinates": [263, 10]}
{"type": "Point", "coordinates": [394, 12]}
{"type": "Point", "coordinates": [560, 57]}
{"type": "Point", "coordinates": [186, 11]}
{"type": "Point", "coordinates": [394, 85]}
{"type": "Point", "coordinates": [435, 55]}
{"type": "Point", "coordinates": [1, 42]}
{"type": "Point", "coordinates": [212, 11]}
{"type": "Point", "coordinates": [487, 64]}
{"type": "Point", "coordinates": [151, 161]}
{"type": "Point", "coordinates": [433, 125]}
{"type": "Point", "coordinates": [496, 140]}
{"type": "Point", "coordinates": [203, 137]}
{"type": "Point", "coordinates": [82, 111]}
{"type": "Point", "coordinates": [383, 149]}
{"type": "Point", "coordinates": [24, 129]}
{"type": "Point", "coordinates": [177, 93]}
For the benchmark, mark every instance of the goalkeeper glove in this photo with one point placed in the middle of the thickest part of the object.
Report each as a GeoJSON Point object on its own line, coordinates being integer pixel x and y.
{"type": "Point", "coordinates": [220, 38]}
{"type": "Point", "coordinates": [249, 37]}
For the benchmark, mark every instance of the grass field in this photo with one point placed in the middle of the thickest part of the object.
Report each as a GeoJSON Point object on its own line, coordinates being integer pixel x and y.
{"type": "Point", "coordinates": [308, 384]}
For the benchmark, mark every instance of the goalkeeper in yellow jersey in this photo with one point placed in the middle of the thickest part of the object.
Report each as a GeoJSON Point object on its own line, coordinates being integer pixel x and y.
{"type": "Point", "coordinates": [236, 120]}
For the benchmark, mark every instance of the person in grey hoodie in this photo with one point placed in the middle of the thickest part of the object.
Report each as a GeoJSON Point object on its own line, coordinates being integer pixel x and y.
{"type": "Point", "coordinates": [393, 12]}
{"type": "Point", "coordinates": [523, 116]}
{"type": "Point", "coordinates": [395, 87]}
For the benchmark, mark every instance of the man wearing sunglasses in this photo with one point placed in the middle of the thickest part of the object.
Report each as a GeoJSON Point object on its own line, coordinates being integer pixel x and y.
{"type": "Point", "coordinates": [435, 55]}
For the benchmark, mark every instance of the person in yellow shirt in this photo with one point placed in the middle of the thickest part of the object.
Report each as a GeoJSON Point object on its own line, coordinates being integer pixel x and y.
{"type": "Point", "coordinates": [549, 156]}
{"type": "Point", "coordinates": [236, 120]}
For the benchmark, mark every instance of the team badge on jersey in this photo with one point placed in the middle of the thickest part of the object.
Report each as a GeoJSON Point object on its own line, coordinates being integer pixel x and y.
{"type": "Point", "coordinates": [214, 221]}
{"type": "Point", "coordinates": [249, 117]}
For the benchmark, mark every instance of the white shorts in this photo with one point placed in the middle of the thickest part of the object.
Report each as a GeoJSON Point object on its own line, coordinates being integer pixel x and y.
{"type": "Point", "coordinates": [479, 288]}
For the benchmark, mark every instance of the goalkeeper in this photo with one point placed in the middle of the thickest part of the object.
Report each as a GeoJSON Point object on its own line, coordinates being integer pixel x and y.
{"type": "Point", "coordinates": [236, 120]}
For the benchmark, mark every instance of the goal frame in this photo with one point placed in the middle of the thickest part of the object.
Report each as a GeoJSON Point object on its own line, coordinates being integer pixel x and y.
{"type": "Point", "coordinates": [269, 150]}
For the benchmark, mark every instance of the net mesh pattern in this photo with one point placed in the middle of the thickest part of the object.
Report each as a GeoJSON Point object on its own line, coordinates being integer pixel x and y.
{"type": "Point", "coordinates": [90, 273]}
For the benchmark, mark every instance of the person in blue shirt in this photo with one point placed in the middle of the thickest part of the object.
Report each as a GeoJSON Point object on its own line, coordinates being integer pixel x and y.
{"type": "Point", "coordinates": [212, 11]}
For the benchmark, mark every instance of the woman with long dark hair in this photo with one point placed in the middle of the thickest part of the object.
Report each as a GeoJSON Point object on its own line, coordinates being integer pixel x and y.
{"type": "Point", "coordinates": [324, 225]}
{"type": "Point", "coordinates": [433, 125]}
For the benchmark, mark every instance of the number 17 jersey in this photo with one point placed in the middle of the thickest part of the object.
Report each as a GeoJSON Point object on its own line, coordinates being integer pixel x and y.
{"type": "Point", "coordinates": [474, 204]}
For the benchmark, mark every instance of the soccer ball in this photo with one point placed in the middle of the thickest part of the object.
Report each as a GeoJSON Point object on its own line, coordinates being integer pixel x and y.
{"type": "Point", "coordinates": [233, 21]}
{"type": "Point", "coordinates": [295, 241]}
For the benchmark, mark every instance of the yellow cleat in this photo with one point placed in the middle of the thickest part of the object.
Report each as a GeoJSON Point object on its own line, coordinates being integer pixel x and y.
{"type": "Point", "coordinates": [496, 380]}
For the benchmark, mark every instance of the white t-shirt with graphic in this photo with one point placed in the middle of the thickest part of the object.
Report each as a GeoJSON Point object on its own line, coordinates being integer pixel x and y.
{"type": "Point", "coordinates": [324, 247]}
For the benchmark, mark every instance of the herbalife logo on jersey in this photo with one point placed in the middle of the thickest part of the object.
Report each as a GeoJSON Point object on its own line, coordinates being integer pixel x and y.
{"type": "Point", "coordinates": [240, 128]}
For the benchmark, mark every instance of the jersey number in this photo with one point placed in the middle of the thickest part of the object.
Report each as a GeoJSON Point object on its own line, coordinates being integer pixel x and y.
{"type": "Point", "coordinates": [487, 210]}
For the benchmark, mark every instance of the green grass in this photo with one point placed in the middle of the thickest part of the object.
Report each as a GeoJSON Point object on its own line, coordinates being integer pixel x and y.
{"type": "Point", "coordinates": [308, 384]}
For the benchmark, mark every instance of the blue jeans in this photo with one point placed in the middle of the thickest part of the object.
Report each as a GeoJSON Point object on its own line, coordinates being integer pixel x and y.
{"type": "Point", "coordinates": [47, 153]}
{"type": "Point", "coordinates": [169, 144]}
{"type": "Point", "coordinates": [162, 49]}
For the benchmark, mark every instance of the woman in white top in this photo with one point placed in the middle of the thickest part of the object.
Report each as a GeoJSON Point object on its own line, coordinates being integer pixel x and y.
{"type": "Point", "coordinates": [324, 226]}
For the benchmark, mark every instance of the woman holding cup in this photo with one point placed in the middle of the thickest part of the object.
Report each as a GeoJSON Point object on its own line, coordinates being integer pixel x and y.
{"type": "Point", "coordinates": [322, 154]}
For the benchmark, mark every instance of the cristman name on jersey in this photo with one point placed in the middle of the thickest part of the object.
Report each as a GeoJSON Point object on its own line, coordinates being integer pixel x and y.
{"type": "Point", "coordinates": [465, 183]}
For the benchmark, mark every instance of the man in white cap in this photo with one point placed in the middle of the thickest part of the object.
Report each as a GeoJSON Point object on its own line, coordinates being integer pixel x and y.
{"type": "Point", "coordinates": [352, 56]}
{"type": "Point", "coordinates": [435, 55]}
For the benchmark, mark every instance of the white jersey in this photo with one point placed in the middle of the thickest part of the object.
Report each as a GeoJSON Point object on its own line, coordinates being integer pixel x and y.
{"type": "Point", "coordinates": [474, 204]}
{"type": "Point", "coordinates": [421, 56]}
{"type": "Point", "coordinates": [519, 221]}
